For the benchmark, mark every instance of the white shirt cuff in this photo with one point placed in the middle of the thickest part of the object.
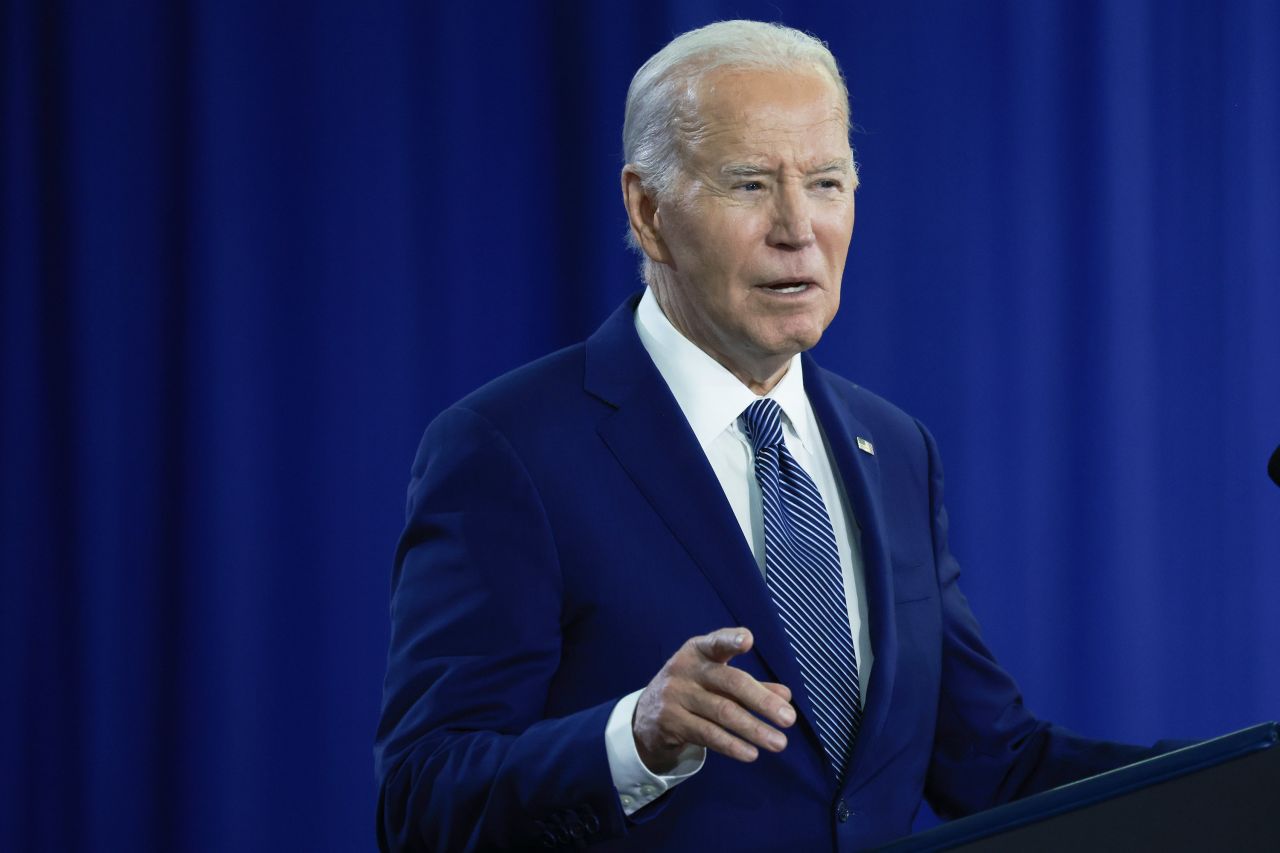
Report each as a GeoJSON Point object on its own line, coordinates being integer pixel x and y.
{"type": "Point", "coordinates": [637, 786]}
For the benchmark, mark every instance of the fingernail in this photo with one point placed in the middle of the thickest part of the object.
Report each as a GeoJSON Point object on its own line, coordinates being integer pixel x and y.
{"type": "Point", "coordinates": [739, 639]}
{"type": "Point", "coordinates": [778, 740]}
{"type": "Point", "coordinates": [788, 715]}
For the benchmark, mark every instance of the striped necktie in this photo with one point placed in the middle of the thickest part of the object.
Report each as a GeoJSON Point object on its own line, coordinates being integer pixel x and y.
{"type": "Point", "coordinates": [803, 576]}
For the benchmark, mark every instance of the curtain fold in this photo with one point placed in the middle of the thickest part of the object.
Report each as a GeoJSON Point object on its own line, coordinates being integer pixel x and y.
{"type": "Point", "coordinates": [248, 251]}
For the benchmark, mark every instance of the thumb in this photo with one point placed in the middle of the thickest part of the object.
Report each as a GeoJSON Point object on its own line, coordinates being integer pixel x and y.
{"type": "Point", "coordinates": [724, 644]}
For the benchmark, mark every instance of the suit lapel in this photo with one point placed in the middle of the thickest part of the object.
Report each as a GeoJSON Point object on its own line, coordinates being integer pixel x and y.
{"type": "Point", "coordinates": [860, 473]}
{"type": "Point", "coordinates": [653, 442]}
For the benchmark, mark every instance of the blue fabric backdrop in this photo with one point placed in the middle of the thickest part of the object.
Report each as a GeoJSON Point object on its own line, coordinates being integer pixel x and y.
{"type": "Point", "coordinates": [248, 251]}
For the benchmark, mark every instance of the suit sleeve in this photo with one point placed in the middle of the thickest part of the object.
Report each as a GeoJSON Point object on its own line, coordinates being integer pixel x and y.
{"type": "Point", "coordinates": [988, 748]}
{"type": "Point", "coordinates": [464, 756]}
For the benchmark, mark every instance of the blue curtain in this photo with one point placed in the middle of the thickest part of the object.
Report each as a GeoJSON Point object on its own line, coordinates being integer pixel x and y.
{"type": "Point", "coordinates": [248, 251]}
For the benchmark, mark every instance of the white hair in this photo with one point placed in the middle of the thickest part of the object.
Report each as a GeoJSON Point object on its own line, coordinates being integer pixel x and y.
{"type": "Point", "coordinates": [663, 92]}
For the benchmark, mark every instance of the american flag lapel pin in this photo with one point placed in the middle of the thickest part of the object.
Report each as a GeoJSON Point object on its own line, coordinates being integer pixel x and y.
{"type": "Point", "coordinates": [866, 446]}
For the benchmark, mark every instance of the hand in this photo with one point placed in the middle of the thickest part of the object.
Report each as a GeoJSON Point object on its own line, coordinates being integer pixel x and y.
{"type": "Point", "coordinates": [697, 698]}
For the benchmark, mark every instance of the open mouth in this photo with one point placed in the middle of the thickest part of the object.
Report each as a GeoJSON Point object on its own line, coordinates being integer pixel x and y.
{"type": "Point", "coordinates": [785, 287]}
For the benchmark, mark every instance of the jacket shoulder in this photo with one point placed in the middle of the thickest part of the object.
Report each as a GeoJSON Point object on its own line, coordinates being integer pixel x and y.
{"type": "Point", "coordinates": [531, 392]}
{"type": "Point", "coordinates": [875, 411]}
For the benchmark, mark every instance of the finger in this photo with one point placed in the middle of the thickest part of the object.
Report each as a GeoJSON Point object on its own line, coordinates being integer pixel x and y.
{"type": "Point", "coordinates": [703, 732]}
{"type": "Point", "coordinates": [725, 713]}
{"type": "Point", "coordinates": [722, 645]}
{"type": "Point", "coordinates": [752, 695]}
{"type": "Point", "coordinates": [780, 689]}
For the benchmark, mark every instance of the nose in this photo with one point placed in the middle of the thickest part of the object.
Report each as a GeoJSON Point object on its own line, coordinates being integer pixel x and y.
{"type": "Point", "coordinates": [792, 227]}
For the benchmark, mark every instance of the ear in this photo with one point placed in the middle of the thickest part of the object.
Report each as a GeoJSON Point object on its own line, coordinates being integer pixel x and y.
{"type": "Point", "coordinates": [642, 211]}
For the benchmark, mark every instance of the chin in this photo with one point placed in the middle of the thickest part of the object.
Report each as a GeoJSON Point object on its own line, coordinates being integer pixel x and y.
{"type": "Point", "coordinates": [798, 337]}
{"type": "Point", "coordinates": [785, 347]}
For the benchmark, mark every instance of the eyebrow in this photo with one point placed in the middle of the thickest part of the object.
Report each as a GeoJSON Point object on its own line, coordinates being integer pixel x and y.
{"type": "Point", "coordinates": [749, 170]}
{"type": "Point", "coordinates": [841, 165]}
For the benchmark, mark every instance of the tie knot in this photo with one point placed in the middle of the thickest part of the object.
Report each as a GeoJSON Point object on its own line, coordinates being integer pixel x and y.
{"type": "Point", "coordinates": [762, 422]}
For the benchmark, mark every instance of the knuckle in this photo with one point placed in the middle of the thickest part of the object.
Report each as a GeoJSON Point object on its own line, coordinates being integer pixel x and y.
{"type": "Point", "coordinates": [701, 734]}
{"type": "Point", "coordinates": [721, 740]}
{"type": "Point", "coordinates": [693, 652]}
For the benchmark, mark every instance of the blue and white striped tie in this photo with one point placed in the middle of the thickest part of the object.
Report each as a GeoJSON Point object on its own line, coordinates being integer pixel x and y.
{"type": "Point", "coordinates": [802, 574]}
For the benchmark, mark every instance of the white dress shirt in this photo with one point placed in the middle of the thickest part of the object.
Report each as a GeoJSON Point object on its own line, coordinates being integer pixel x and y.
{"type": "Point", "coordinates": [711, 399]}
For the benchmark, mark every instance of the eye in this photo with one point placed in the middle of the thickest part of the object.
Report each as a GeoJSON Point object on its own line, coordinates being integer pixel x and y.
{"type": "Point", "coordinates": [828, 184]}
{"type": "Point", "coordinates": [751, 186]}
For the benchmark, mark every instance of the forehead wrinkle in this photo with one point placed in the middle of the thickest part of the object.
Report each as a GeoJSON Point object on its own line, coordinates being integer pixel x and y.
{"type": "Point", "coordinates": [736, 118]}
{"type": "Point", "coordinates": [747, 143]}
{"type": "Point", "coordinates": [748, 130]}
{"type": "Point", "coordinates": [737, 169]}
{"type": "Point", "coordinates": [734, 138]}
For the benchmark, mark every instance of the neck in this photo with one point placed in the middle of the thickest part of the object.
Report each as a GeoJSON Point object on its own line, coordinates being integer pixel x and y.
{"type": "Point", "coordinates": [760, 383]}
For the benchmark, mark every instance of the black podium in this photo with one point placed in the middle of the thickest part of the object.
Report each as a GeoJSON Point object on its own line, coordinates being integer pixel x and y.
{"type": "Point", "coordinates": [1222, 794]}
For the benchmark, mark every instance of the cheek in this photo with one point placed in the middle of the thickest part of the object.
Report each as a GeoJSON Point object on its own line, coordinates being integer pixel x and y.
{"type": "Point", "coordinates": [840, 225]}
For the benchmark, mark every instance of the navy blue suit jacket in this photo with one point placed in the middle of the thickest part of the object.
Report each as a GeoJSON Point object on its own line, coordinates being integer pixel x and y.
{"type": "Point", "coordinates": [565, 535]}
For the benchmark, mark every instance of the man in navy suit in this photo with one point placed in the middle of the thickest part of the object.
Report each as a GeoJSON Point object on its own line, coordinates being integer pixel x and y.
{"type": "Point", "coordinates": [594, 639]}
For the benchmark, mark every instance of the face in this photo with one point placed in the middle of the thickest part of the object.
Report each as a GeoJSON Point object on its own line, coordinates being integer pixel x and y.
{"type": "Point", "coordinates": [753, 245]}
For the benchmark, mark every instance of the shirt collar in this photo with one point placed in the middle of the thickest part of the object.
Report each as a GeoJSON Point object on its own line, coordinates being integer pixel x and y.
{"type": "Point", "coordinates": [711, 397]}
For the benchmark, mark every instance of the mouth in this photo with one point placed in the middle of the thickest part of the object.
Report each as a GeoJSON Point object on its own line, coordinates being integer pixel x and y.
{"type": "Point", "coordinates": [788, 286]}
